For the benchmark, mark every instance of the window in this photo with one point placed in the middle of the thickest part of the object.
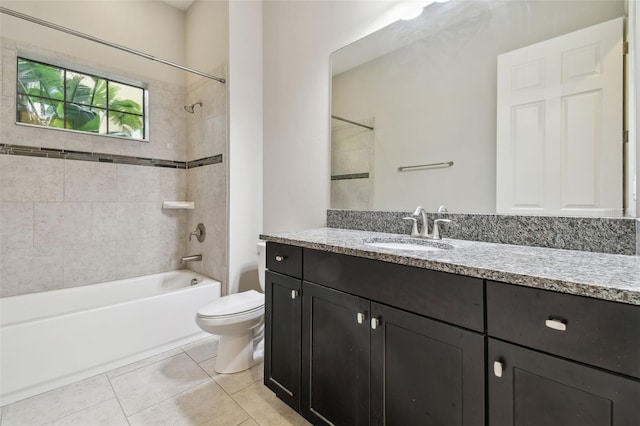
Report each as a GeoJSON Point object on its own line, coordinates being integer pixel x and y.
{"type": "Point", "coordinates": [52, 96]}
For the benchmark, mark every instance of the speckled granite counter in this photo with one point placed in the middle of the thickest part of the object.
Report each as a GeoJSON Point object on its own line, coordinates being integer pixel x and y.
{"type": "Point", "coordinates": [603, 276]}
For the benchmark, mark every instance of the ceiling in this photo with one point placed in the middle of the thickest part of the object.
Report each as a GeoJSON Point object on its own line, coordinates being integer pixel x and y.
{"type": "Point", "coordinates": [179, 4]}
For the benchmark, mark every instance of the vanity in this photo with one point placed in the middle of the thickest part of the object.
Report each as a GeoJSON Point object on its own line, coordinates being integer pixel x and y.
{"type": "Point", "coordinates": [476, 334]}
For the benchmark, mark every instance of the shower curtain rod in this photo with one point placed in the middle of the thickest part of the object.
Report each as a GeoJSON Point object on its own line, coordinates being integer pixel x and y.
{"type": "Point", "coordinates": [352, 122]}
{"type": "Point", "coordinates": [104, 42]}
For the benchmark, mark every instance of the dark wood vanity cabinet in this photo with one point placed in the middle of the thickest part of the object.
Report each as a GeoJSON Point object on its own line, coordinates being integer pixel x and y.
{"type": "Point", "coordinates": [369, 353]}
{"type": "Point", "coordinates": [561, 359]}
{"type": "Point", "coordinates": [354, 341]}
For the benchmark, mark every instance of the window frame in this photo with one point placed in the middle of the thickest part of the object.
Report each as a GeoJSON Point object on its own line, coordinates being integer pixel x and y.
{"type": "Point", "coordinates": [107, 77]}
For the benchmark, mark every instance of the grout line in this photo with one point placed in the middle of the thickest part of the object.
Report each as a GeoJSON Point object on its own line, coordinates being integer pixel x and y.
{"type": "Point", "coordinates": [115, 394]}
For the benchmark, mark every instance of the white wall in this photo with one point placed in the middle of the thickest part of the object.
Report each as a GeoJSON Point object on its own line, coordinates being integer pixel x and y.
{"type": "Point", "coordinates": [245, 141]}
{"type": "Point", "coordinates": [299, 36]}
{"type": "Point", "coordinates": [152, 27]}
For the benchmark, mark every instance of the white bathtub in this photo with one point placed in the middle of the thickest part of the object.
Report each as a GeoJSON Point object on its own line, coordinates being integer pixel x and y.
{"type": "Point", "coordinates": [53, 338]}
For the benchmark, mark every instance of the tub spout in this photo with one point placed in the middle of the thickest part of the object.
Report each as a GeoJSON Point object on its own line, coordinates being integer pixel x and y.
{"type": "Point", "coordinates": [193, 258]}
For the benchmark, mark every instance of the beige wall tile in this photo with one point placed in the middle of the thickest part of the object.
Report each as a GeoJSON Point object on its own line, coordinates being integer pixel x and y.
{"type": "Point", "coordinates": [173, 184]}
{"type": "Point", "coordinates": [25, 179]}
{"type": "Point", "coordinates": [89, 181]}
{"type": "Point", "coordinates": [30, 270]}
{"type": "Point", "coordinates": [89, 263]}
{"type": "Point", "coordinates": [16, 225]}
{"type": "Point", "coordinates": [138, 183]}
{"type": "Point", "coordinates": [61, 223]}
{"type": "Point", "coordinates": [104, 221]}
{"type": "Point", "coordinates": [147, 256]}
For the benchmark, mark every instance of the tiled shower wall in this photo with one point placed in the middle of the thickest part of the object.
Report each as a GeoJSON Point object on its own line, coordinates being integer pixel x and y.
{"type": "Point", "coordinates": [207, 136]}
{"type": "Point", "coordinates": [66, 223]}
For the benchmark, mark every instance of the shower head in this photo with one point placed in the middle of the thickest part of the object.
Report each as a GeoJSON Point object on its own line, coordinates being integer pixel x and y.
{"type": "Point", "coordinates": [191, 108]}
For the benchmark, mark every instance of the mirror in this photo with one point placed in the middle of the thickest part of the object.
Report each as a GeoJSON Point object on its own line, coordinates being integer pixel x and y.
{"type": "Point", "coordinates": [424, 91]}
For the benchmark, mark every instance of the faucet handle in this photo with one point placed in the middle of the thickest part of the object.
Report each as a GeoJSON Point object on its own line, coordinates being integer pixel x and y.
{"type": "Point", "coordinates": [436, 228]}
{"type": "Point", "coordinates": [414, 226]}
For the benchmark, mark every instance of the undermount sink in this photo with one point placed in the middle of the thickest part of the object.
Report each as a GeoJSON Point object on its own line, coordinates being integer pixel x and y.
{"type": "Point", "coordinates": [413, 244]}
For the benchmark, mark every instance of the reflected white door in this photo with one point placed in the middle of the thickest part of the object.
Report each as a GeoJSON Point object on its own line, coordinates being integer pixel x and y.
{"type": "Point", "coordinates": [560, 124]}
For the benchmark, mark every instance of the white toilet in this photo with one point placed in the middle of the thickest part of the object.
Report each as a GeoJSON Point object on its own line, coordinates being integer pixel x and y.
{"type": "Point", "coordinates": [239, 321]}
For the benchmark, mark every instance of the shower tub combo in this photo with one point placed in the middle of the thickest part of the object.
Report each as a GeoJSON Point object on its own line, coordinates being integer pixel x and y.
{"type": "Point", "coordinates": [54, 338]}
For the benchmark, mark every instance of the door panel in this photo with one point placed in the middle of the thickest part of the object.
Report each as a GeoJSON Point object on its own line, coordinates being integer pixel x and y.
{"type": "Point", "coordinates": [537, 389]}
{"type": "Point", "coordinates": [425, 372]}
{"type": "Point", "coordinates": [336, 357]}
{"type": "Point", "coordinates": [282, 337]}
{"type": "Point", "coordinates": [568, 159]}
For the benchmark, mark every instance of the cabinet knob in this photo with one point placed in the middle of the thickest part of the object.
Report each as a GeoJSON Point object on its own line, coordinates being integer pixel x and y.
{"type": "Point", "coordinates": [556, 324]}
{"type": "Point", "coordinates": [280, 258]}
{"type": "Point", "coordinates": [374, 323]}
{"type": "Point", "coordinates": [360, 317]}
{"type": "Point", "coordinates": [294, 294]}
{"type": "Point", "coordinates": [498, 367]}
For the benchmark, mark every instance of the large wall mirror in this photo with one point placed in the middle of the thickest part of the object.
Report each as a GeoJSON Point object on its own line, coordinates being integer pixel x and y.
{"type": "Point", "coordinates": [429, 92]}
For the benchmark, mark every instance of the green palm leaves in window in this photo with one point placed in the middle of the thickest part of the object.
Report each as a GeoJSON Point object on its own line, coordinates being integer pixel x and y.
{"type": "Point", "coordinates": [56, 97]}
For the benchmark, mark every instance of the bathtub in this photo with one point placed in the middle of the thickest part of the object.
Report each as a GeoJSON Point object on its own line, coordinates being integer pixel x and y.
{"type": "Point", "coordinates": [54, 338]}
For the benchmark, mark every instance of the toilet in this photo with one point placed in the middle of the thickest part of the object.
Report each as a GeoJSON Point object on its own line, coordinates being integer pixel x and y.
{"type": "Point", "coordinates": [239, 321]}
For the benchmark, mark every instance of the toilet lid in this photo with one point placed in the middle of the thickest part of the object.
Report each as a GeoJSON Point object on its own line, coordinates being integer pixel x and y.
{"type": "Point", "coordinates": [233, 304]}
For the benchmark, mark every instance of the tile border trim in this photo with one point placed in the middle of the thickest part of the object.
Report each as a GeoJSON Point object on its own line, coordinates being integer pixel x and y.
{"type": "Point", "coordinates": [351, 176]}
{"type": "Point", "coordinates": [67, 154]}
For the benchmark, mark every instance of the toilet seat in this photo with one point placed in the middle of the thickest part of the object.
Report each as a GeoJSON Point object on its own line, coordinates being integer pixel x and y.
{"type": "Point", "coordinates": [245, 304]}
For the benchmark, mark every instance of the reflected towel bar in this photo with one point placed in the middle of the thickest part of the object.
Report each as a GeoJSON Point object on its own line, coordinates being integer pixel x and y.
{"type": "Point", "coordinates": [425, 166]}
{"type": "Point", "coordinates": [352, 122]}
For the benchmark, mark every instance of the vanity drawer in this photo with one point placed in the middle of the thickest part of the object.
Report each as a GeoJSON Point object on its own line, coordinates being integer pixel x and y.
{"type": "Point", "coordinates": [452, 298]}
{"type": "Point", "coordinates": [597, 332]}
{"type": "Point", "coordinates": [285, 259]}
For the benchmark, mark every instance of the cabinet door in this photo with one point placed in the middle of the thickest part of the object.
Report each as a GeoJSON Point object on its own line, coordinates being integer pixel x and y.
{"type": "Point", "coordinates": [335, 354]}
{"type": "Point", "coordinates": [283, 307]}
{"type": "Point", "coordinates": [424, 372]}
{"type": "Point", "coordinates": [537, 389]}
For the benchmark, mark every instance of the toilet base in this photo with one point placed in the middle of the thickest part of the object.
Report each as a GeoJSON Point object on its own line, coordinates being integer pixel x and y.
{"type": "Point", "coordinates": [237, 353]}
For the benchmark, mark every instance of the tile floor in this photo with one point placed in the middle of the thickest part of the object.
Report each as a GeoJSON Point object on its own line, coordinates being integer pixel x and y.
{"type": "Point", "coordinates": [178, 387]}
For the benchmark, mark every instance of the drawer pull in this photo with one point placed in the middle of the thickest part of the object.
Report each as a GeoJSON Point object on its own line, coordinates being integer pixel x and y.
{"type": "Point", "coordinates": [556, 324]}
{"type": "Point", "coordinates": [360, 317]}
{"type": "Point", "coordinates": [280, 258]}
{"type": "Point", "coordinates": [374, 323]}
{"type": "Point", "coordinates": [497, 368]}
{"type": "Point", "coordinates": [294, 294]}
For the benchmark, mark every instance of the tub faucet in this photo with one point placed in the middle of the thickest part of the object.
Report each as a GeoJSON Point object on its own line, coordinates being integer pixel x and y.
{"type": "Point", "coordinates": [192, 258]}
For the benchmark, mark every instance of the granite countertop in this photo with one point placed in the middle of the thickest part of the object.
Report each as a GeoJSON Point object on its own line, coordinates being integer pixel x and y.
{"type": "Point", "coordinates": [603, 276]}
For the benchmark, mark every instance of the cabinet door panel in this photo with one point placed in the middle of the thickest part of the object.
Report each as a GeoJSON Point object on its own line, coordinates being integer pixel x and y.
{"type": "Point", "coordinates": [336, 357]}
{"type": "Point", "coordinates": [537, 389]}
{"type": "Point", "coordinates": [282, 337]}
{"type": "Point", "coordinates": [425, 372]}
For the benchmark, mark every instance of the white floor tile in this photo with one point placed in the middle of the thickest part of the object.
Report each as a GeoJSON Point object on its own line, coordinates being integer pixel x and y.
{"type": "Point", "coordinates": [107, 413]}
{"type": "Point", "coordinates": [58, 403]}
{"type": "Point", "coordinates": [202, 350]}
{"type": "Point", "coordinates": [209, 367]}
{"type": "Point", "coordinates": [143, 363]}
{"type": "Point", "coordinates": [147, 386]}
{"type": "Point", "coordinates": [232, 383]}
{"type": "Point", "coordinates": [207, 404]}
{"type": "Point", "coordinates": [265, 408]}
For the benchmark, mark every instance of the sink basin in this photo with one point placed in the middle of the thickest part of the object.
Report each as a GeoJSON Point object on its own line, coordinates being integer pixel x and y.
{"type": "Point", "coordinates": [413, 244]}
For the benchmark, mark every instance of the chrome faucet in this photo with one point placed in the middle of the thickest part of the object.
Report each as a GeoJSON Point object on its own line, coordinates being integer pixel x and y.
{"type": "Point", "coordinates": [424, 233]}
{"type": "Point", "coordinates": [193, 258]}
